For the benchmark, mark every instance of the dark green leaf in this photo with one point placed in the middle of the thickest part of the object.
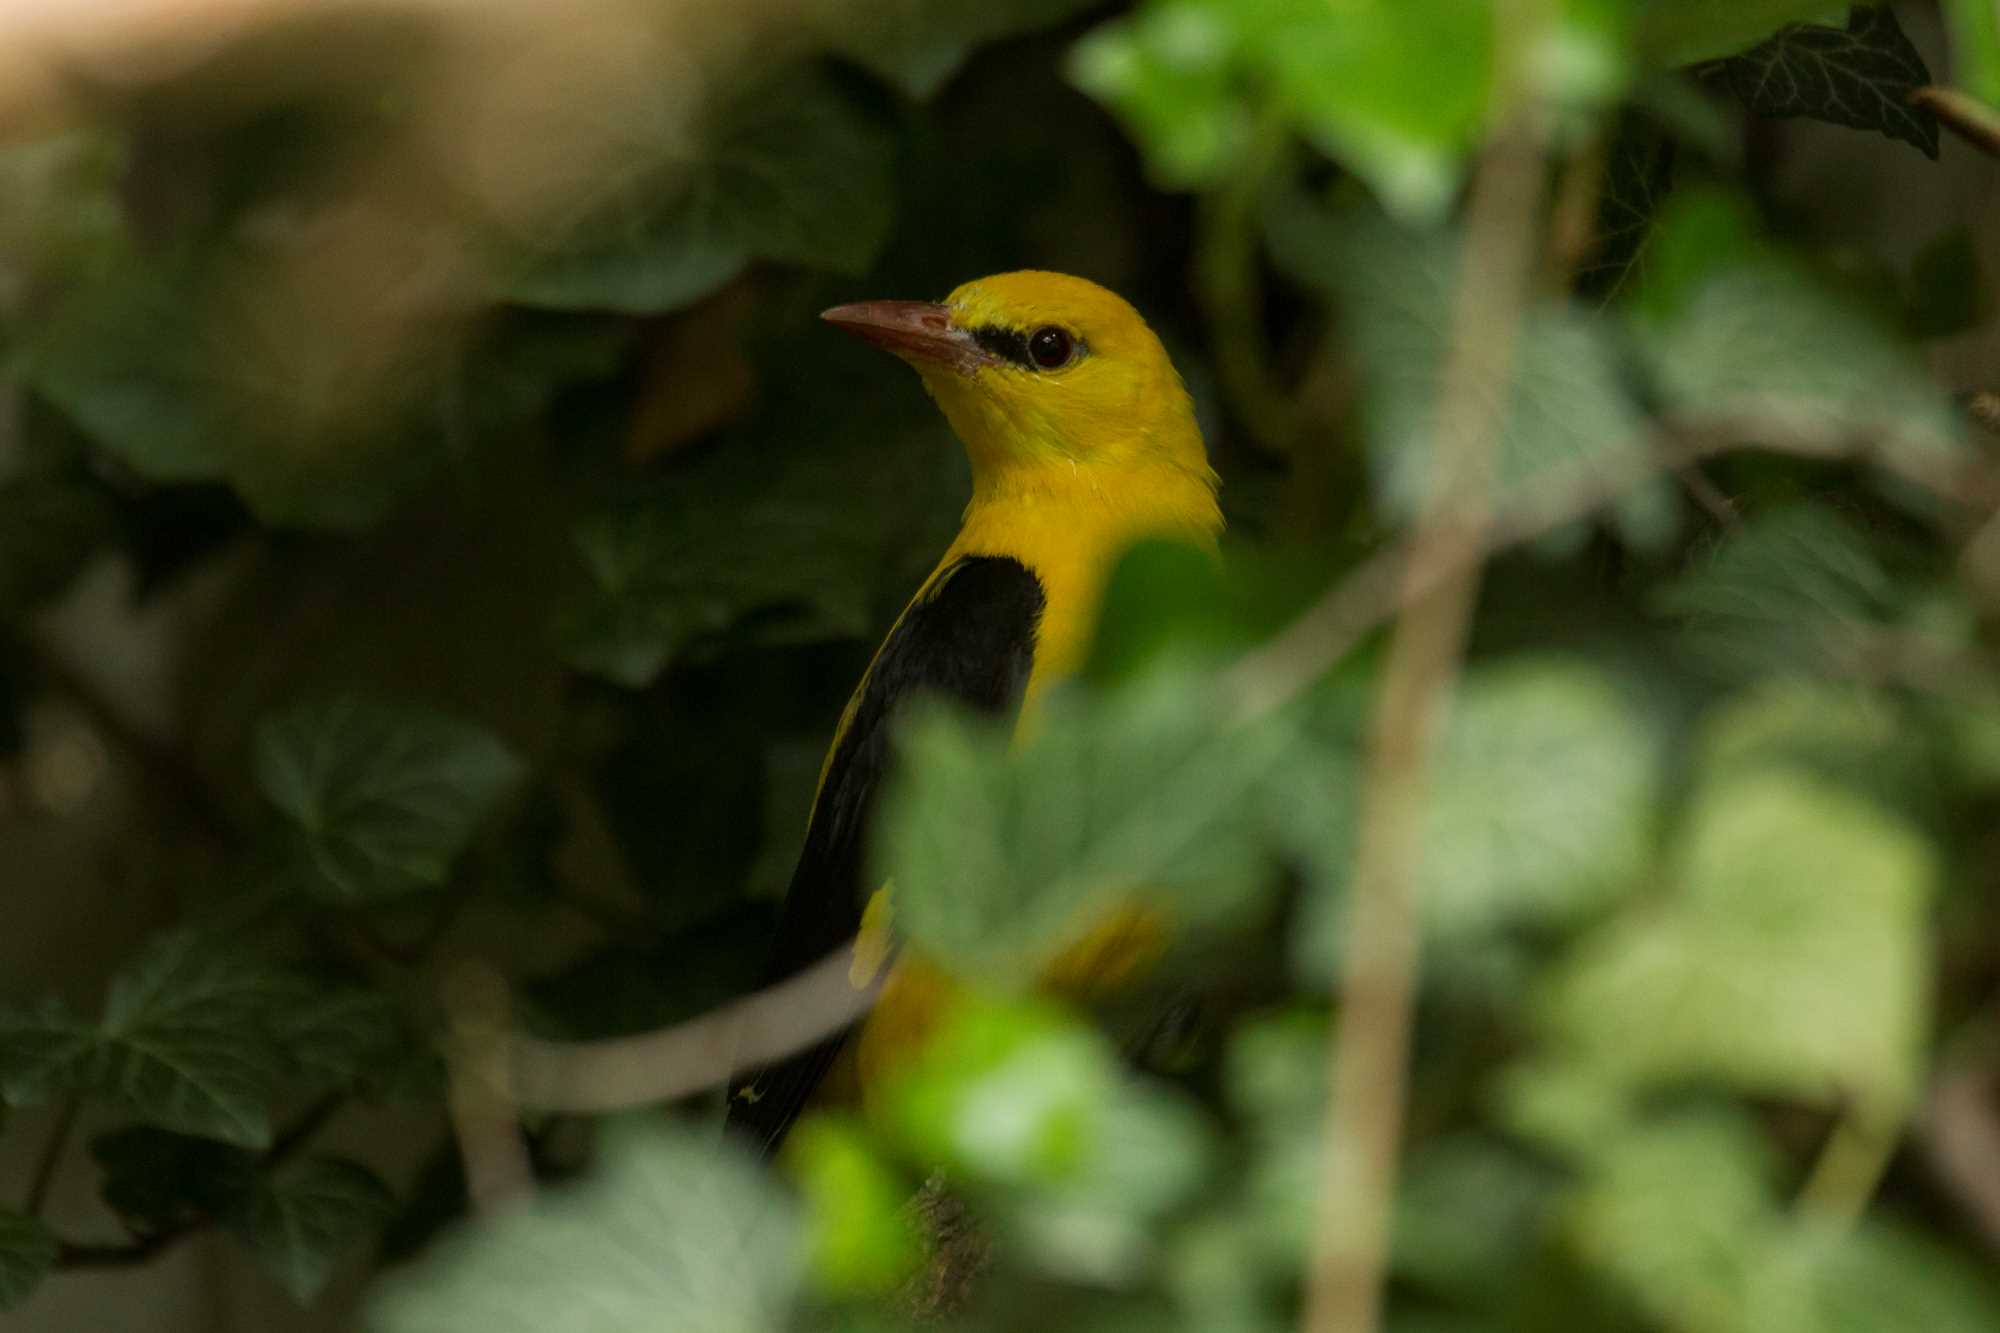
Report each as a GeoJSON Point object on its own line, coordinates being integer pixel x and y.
{"type": "Point", "coordinates": [159, 1181]}
{"type": "Point", "coordinates": [672, 1232]}
{"type": "Point", "coordinates": [793, 170]}
{"type": "Point", "coordinates": [381, 799]}
{"type": "Point", "coordinates": [1637, 178]}
{"type": "Point", "coordinates": [27, 1251]}
{"type": "Point", "coordinates": [1468, 1214]}
{"type": "Point", "coordinates": [1860, 76]}
{"type": "Point", "coordinates": [349, 1036]}
{"type": "Point", "coordinates": [300, 1219]}
{"type": "Point", "coordinates": [919, 44]}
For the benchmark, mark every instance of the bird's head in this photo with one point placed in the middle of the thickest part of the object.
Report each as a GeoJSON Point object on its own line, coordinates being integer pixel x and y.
{"type": "Point", "coordinates": [1034, 369]}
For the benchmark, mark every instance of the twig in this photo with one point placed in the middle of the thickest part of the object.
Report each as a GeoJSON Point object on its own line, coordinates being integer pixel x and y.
{"type": "Point", "coordinates": [1369, 1055]}
{"type": "Point", "coordinates": [52, 1152]}
{"type": "Point", "coordinates": [1963, 114]}
{"type": "Point", "coordinates": [1961, 1137]}
{"type": "Point", "coordinates": [673, 1062]}
{"type": "Point", "coordinates": [1850, 1165]}
{"type": "Point", "coordinates": [1708, 495]}
{"type": "Point", "coordinates": [497, 1167]}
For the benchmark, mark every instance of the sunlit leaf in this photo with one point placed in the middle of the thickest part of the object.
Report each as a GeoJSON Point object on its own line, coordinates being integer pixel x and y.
{"type": "Point", "coordinates": [1975, 47]}
{"type": "Point", "coordinates": [670, 1232]}
{"type": "Point", "coordinates": [27, 1252]}
{"type": "Point", "coordinates": [299, 1219]}
{"type": "Point", "coordinates": [381, 799]}
{"type": "Point", "coordinates": [859, 1228]}
{"type": "Point", "coordinates": [1789, 961]}
{"type": "Point", "coordinates": [1682, 32]}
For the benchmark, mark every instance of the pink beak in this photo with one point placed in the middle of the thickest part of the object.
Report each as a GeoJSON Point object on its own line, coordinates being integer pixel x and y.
{"type": "Point", "coordinates": [918, 331]}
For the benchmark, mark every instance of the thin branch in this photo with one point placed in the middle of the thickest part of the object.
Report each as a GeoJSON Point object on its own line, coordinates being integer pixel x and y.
{"type": "Point", "coordinates": [497, 1166]}
{"type": "Point", "coordinates": [1963, 114]}
{"type": "Point", "coordinates": [1961, 1137]}
{"type": "Point", "coordinates": [1370, 1049]}
{"type": "Point", "coordinates": [51, 1158]}
{"type": "Point", "coordinates": [673, 1062]}
{"type": "Point", "coordinates": [1850, 1165]}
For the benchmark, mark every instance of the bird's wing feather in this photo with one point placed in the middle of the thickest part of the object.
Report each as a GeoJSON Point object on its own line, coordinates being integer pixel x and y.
{"type": "Point", "coordinates": [969, 636]}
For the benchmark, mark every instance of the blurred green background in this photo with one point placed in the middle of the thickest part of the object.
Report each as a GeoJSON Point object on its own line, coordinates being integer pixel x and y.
{"type": "Point", "coordinates": [435, 529]}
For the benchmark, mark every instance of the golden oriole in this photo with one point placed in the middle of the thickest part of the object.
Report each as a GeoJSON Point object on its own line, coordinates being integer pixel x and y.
{"type": "Point", "coordinates": [1082, 438]}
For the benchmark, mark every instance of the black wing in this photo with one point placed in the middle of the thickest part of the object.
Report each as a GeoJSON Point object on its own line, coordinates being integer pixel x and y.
{"type": "Point", "coordinates": [969, 636]}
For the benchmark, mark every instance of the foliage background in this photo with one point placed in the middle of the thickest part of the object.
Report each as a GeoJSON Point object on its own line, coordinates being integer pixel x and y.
{"type": "Point", "coordinates": [436, 534]}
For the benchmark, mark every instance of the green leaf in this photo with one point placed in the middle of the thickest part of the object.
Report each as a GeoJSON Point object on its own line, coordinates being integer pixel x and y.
{"type": "Point", "coordinates": [55, 526]}
{"type": "Point", "coordinates": [64, 218]}
{"type": "Point", "coordinates": [213, 368]}
{"type": "Point", "coordinates": [381, 799]}
{"type": "Point", "coordinates": [1469, 1214]}
{"type": "Point", "coordinates": [300, 1219]}
{"type": "Point", "coordinates": [791, 170]}
{"type": "Point", "coordinates": [1791, 960]}
{"type": "Point", "coordinates": [1541, 810]}
{"type": "Point", "coordinates": [158, 1181]}
{"type": "Point", "coordinates": [1796, 589]}
{"type": "Point", "coordinates": [1001, 852]}
{"type": "Point", "coordinates": [350, 1036]}
{"type": "Point", "coordinates": [1841, 735]}
{"type": "Point", "coordinates": [919, 44]}
{"type": "Point", "coordinates": [1171, 73]}
{"type": "Point", "coordinates": [1639, 174]}
{"type": "Point", "coordinates": [1860, 76]}
{"type": "Point", "coordinates": [670, 1232]}
{"type": "Point", "coordinates": [1684, 32]}
{"type": "Point", "coordinates": [27, 1252]}
{"type": "Point", "coordinates": [861, 1239]}
{"type": "Point", "coordinates": [184, 1043]}
{"type": "Point", "coordinates": [1568, 413]}
{"type": "Point", "coordinates": [1736, 336]}
{"type": "Point", "coordinates": [1975, 47]}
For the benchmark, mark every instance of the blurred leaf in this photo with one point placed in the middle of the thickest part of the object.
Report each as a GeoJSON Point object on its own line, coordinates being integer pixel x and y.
{"type": "Point", "coordinates": [1568, 416]}
{"type": "Point", "coordinates": [1168, 602]}
{"type": "Point", "coordinates": [56, 525]}
{"type": "Point", "coordinates": [1469, 1213]}
{"type": "Point", "coordinates": [1680, 1212]}
{"type": "Point", "coordinates": [1541, 810]}
{"type": "Point", "coordinates": [347, 1036]}
{"type": "Point", "coordinates": [299, 1219]}
{"type": "Point", "coordinates": [1737, 337]}
{"type": "Point", "coordinates": [1878, 1279]}
{"type": "Point", "coordinates": [1948, 290]}
{"type": "Point", "coordinates": [381, 798]}
{"type": "Point", "coordinates": [1796, 589]}
{"type": "Point", "coordinates": [792, 170]}
{"type": "Point", "coordinates": [1398, 92]}
{"type": "Point", "coordinates": [1845, 736]}
{"type": "Point", "coordinates": [1002, 852]}
{"type": "Point", "coordinates": [670, 1232]}
{"type": "Point", "coordinates": [27, 1252]}
{"type": "Point", "coordinates": [1975, 47]}
{"type": "Point", "coordinates": [218, 367]}
{"type": "Point", "coordinates": [1790, 961]}
{"type": "Point", "coordinates": [63, 218]}
{"type": "Point", "coordinates": [158, 1181]}
{"type": "Point", "coordinates": [860, 1232]}
{"type": "Point", "coordinates": [1684, 32]}
{"type": "Point", "coordinates": [919, 44]}
{"type": "Point", "coordinates": [183, 1043]}
{"type": "Point", "coordinates": [1860, 76]}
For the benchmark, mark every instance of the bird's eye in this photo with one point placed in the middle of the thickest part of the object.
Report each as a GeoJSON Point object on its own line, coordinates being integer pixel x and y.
{"type": "Point", "coordinates": [1050, 347]}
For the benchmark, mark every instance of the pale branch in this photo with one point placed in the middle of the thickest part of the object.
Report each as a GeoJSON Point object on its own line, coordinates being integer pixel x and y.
{"type": "Point", "coordinates": [1960, 1131]}
{"type": "Point", "coordinates": [484, 1120]}
{"type": "Point", "coordinates": [689, 1057]}
{"type": "Point", "coordinates": [1369, 1051]}
{"type": "Point", "coordinates": [1963, 114]}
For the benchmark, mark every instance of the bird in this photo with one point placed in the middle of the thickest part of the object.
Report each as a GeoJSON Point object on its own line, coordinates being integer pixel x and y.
{"type": "Point", "coordinates": [1082, 439]}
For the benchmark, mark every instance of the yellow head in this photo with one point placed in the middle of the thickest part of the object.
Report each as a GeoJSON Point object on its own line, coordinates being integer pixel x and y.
{"type": "Point", "coordinates": [1038, 371]}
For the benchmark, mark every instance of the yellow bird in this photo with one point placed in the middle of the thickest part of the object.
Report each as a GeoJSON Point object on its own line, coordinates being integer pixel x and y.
{"type": "Point", "coordinates": [1082, 439]}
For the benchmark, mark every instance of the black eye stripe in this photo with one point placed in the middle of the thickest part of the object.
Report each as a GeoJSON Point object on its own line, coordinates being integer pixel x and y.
{"type": "Point", "coordinates": [1012, 344]}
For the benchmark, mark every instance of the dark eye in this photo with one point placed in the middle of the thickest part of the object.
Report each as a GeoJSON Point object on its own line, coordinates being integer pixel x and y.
{"type": "Point", "coordinates": [1050, 347]}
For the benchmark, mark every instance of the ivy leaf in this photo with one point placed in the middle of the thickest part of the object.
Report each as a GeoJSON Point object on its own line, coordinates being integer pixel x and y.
{"type": "Point", "coordinates": [300, 1219]}
{"type": "Point", "coordinates": [1638, 176]}
{"type": "Point", "coordinates": [1001, 852]}
{"type": "Point", "coordinates": [1796, 589]}
{"type": "Point", "coordinates": [183, 1043]}
{"type": "Point", "coordinates": [1860, 76]}
{"type": "Point", "coordinates": [670, 1232]}
{"type": "Point", "coordinates": [381, 799]}
{"type": "Point", "coordinates": [919, 44]}
{"type": "Point", "coordinates": [349, 1036]}
{"type": "Point", "coordinates": [793, 171]}
{"type": "Point", "coordinates": [1791, 961]}
{"type": "Point", "coordinates": [157, 1181]}
{"type": "Point", "coordinates": [27, 1252]}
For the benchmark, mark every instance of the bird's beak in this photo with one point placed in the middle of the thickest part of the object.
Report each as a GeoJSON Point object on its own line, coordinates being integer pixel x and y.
{"type": "Point", "coordinates": [920, 332]}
